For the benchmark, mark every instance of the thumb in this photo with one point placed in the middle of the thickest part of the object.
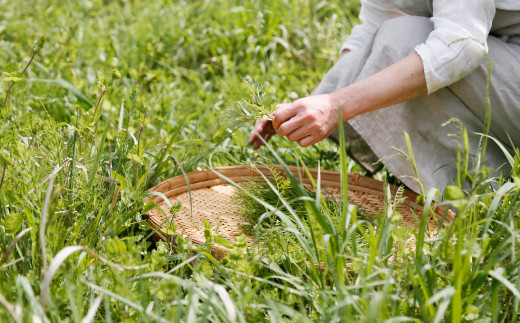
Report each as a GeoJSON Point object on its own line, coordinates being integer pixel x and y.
{"type": "Point", "coordinates": [284, 112]}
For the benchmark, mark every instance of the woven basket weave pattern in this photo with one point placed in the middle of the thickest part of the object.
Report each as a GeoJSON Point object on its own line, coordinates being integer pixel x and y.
{"type": "Point", "coordinates": [211, 200]}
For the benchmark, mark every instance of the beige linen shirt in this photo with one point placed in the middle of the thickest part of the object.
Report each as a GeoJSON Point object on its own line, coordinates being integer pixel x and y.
{"type": "Point", "coordinates": [458, 43]}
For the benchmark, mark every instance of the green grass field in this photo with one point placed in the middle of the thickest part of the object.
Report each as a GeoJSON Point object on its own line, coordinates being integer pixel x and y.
{"type": "Point", "coordinates": [73, 247]}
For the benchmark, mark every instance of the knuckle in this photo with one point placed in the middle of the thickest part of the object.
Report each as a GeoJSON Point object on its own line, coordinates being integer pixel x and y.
{"type": "Point", "coordinates": [292, 137]}
{"type": "Point", "coordinates": [280, 131]}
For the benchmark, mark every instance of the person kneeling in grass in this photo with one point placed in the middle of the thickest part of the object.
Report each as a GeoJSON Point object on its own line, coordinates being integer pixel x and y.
{"type": "Point", "coordinates": [412, 66]}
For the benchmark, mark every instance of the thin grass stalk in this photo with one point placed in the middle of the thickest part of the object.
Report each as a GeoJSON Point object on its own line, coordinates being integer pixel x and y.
{"type": "Point", "coordinates": [311, 225]}
{"type": "Point", "coordinates": [331, 242]}
{"type": "Point", "coordinates": [43, 221]}
{"type": "Point", "coordinates": [35, 308]}
{"type": "Point", "coordinates": [487, 115]}
{"type": "Point", "coordinates": [10, 309]}
{"type": "Point", "coordinates": [136, 164]}
{"type": "Point", "coordinates": [174, 157]}
{"type": "Point", "coordinates": [421, 280]}
{"type": "Point", "coordinates": [54, 172]}
{"type": "Point", "coordinates": [73, 161]}
{"type": "Point", "coordinates": [3, 176]}
{"type": "Point", "coordinates": [316, 255]}
{"type": "Point", "coordinates": [93, 309]}
{"type": "Point", "coordinates": [14, 262]}
{"type": "Point", "coordinates": [346, 216]}
{"type": "Point", "coordinates": [101, 95]}
{"type": "Point", "coordinates": [299, 186]}
{"type": "Point", "coordinates": [13, 244]}
{"type": "Point", "coordinates": [61, 256]}
{"type": "Point", "coordinates": [414, 165]}
{"type": "Point", "coordinates": [100, 148]}
{"type": "Point", "coordinates": [290, 226]}
{"type": "Point", "coordinates": [114, 197]}
{"type": "Point", "coordinates": [312, 207]}
{"type": "Point", "coordinates": [129, 303]}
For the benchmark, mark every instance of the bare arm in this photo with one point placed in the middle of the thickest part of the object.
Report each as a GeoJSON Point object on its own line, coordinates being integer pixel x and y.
{"type": "Point", "coordinates": [395, 84]}
{"type": "Point", "coordinates": [311, 119]}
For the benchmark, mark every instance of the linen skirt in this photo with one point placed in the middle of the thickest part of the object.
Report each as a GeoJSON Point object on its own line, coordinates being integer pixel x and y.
{"type": "Point", "coordinates": [378, 136]}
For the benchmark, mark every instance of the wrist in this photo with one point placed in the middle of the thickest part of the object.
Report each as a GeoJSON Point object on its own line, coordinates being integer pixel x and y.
{"type": "Point", "coordinates": [344, 99]}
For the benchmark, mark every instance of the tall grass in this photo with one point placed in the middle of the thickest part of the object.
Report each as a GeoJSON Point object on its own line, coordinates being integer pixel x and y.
{"type": "Point", "coordinates": [74, 244]}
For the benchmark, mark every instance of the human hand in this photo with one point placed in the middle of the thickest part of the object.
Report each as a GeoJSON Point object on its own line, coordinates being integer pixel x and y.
{"type": "Point", "coordinates": [307, 120]}
{"type": "Point", "coordinates": [263, 128]}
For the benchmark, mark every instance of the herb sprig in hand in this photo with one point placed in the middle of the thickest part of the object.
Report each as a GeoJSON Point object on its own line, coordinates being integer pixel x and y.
{"type": "Point", "coordinates": [252, 108]}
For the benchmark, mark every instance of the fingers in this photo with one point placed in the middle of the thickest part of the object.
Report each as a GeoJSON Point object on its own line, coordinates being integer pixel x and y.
{"type": "Point", "coordinates": [257, 128]}
{"type": "Point", "coordinates": [259, 142]}
{"type": "Point", "coordinates": [290, 126]}
{"type": "Point", "coordinates": [284, 112]}
{"type": "Point", "coordinates": [312, 137]}
{"type": "Point", "coordinates": [262, 129]}
{"type": "Point", "coordinates": [297, 134]}
{"type": "Point", "coordinates": [307, 141]}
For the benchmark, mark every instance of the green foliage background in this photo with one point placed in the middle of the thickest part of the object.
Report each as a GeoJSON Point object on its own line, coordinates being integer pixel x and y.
{"type": "Point", "coordinates": [181, 64]}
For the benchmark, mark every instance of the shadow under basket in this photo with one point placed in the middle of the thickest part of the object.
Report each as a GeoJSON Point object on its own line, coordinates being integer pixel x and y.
{"type": "Point", "coordinates": [211, 200]}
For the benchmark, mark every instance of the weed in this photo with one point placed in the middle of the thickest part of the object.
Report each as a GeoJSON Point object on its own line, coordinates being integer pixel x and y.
{"type": "Point", "coordinates": [78, 157]}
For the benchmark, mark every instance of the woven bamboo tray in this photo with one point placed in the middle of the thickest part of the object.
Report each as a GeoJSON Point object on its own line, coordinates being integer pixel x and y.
{"type": "Point", "coordinates": [211, 197]}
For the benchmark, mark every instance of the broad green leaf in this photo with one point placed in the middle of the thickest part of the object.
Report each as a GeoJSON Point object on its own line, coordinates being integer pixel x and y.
{"type": "Point", "coordinates": [11, 68]}
{"type": "Point", "coordinates": [12, 223]}
{"type": "Point", "coordinates": [176, 207]}
{"type": "Point", "coordinates": [207, 231]}
{"type": "Point", "coordinates": [169, 228]}
{"type": "Point", "coordinates": [223, 242]}
{"type": "Point", "coordinates": [453, 193]}
{"type": "Point", "coordinates": [11, 78]}
{"type": "Point", "coordinates": [240, 242]}
{"type": "Point", "coordinates": [5, 158]}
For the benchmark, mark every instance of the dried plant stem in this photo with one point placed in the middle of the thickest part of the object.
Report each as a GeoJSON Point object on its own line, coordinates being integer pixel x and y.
{"type": "Point", "coordinates": [10, 308]}
{"type": "Point", "coordinates": [114, 198]}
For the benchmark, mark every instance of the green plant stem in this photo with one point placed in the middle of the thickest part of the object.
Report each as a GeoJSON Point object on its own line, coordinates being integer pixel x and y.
{"type": "Point", "coordinates": [13, 83]}
{"type": "Point", "coordinates": [137, 164]}
{"type": "Point", "coordinates": [3, 176]}
{"type": "Point", "coordinates": [30, 143]}
{"type": "Point", "coordinates": [30, 61]}
{"type": "Point", "coordinates": [101, 94]}
{"type": "Point", "coordinates": [7, 94]}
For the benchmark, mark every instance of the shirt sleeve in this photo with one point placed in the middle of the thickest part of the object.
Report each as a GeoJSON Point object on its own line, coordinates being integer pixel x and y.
{"type": "Point", "coordinates": [457, 45]}
{"type": "Point", "coordinates": [372, 14]}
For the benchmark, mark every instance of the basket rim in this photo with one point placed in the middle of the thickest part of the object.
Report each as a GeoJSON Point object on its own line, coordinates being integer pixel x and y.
{"type": "Point", "coordinates": [221, 175]}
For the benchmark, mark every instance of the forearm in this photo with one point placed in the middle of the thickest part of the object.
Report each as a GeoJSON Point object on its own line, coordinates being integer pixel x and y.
{"type": "Point", "coordinates": [395, 84]}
